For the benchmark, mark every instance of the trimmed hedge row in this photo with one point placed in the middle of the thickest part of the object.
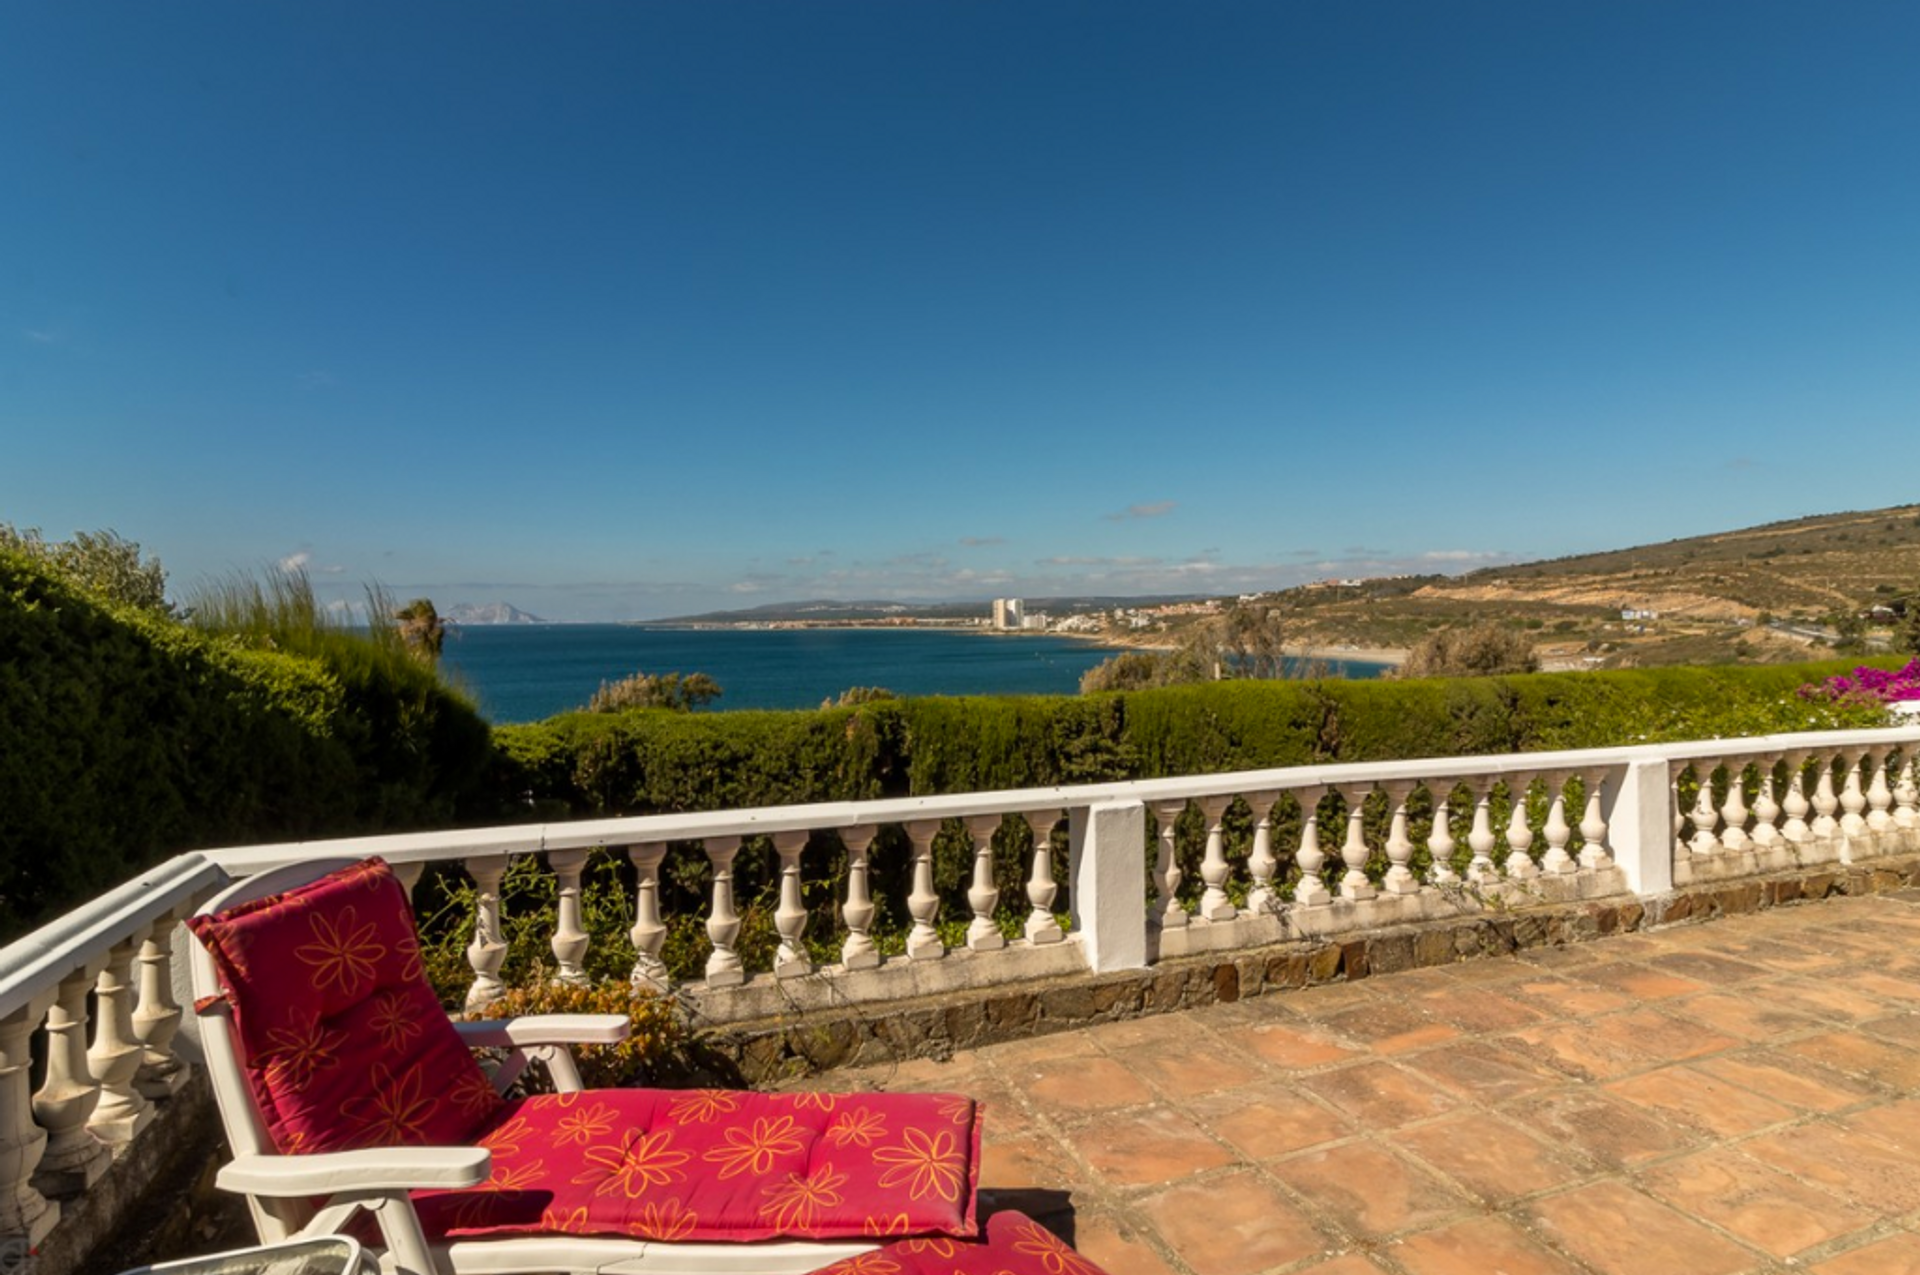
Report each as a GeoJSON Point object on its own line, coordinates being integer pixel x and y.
{"type": "Point", "coordinates": [655, 761]}
{"type": "Point", "coordinates": [126, 737]}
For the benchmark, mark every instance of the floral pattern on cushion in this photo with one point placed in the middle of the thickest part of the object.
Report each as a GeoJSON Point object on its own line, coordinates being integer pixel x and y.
{"type": "Point", "coordinates": [722, 1165]}
{"type": "Point", "coordinates": [345, 1044]}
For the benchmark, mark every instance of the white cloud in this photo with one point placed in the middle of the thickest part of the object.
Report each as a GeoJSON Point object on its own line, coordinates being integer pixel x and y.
{"type": "Point", "coordinates": [1156, 509]}
{"type": "Point", "coordinates": [296, 561]}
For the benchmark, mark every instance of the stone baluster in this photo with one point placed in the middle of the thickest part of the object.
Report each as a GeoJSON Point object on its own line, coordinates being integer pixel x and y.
{"type": "Point", "coordinates": [408, 874]}
{"type": "Point", "coordinates": [1214, 905]}
{"type": "Point", "coordinates": [570, 939]}
{"type": "Point", "coordinates": [1310, 891]}
{"type": "Point", "coordinates": [1705, 817]}
{"type": "Point", "coordinates": [74, 1159]}
{"type": "Point", "coordinates": [649, 932]}
{"type": "Point", "coordinates": [1480, 840]}
{"type": "Point", "coordinates": [1906, 793]}
{"type": "Point", "coordinates": [1679, 808]}
{"type": "Point", "coordinates": [1353, 851]}
{"type": "Point", "coordinates": [1261, 865]}
{"type": "Point", "coordinates": [1041, 926]}
{"type": "Point", "coordinates": [858, 952]}
{"type": "Point", "coordinates": [1825, 802]}
{"type": "Point", "coordinates": [1733, 811]}
{"type": "Point", "coordinates": [1593, 824]}
{"type": "Point", "coordinates": [1880, 796]}
{"type": "Point", "coordinates": [156, 1016]}
{"type": "Point", "coordinates": [1796, 807]}
{"type": "Point", "coordinates": [724, 968]}
{"type": "Point", "coordinates": [1559, 833]}
{"type": "Point", "coordinates": [1399, 878]}
{"type": "Point", "coordinates": [1853, 801]}
{"type": "Point", "coordinates": [1520, 865]}
{"type": "Point", "coordinates": [1440, 843]}
{"type": "Point", "coordinates": [923, 941]}
{"type": "Point", "coordinates": [1766, 810]}
{"type": "Point", "coordinates": [123, 1111]}
{"type": "Point", "coordinates": [488, 951]}
{"type": "Point", "coordinates": [983, 934]}
{"type": "Point", "coordinates": [1167, 875]}
{"type": "Point", "coordinates": [790, 915]}
{"type": "Point", "coordinates": [25, 1215]}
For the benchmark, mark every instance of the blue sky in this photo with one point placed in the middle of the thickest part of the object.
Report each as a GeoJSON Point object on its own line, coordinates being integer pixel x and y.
{"type": "Point", "coordinates": [631, 310]}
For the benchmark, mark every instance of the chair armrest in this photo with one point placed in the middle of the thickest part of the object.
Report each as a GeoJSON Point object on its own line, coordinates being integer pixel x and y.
{"type": "Point", "coordinates": [371, 1169]}
{"type": "Point", "coordinates": [545, 1029]}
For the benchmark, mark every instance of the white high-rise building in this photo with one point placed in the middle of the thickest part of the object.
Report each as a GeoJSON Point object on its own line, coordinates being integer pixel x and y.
{"type": "Point", "coordinates": [1008, 613]}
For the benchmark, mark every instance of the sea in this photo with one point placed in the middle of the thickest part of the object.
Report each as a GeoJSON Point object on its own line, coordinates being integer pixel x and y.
{"type": "Point", "coordinates": [525, 672]}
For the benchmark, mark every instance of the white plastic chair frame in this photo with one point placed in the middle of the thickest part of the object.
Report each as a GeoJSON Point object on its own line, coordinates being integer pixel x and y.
{"type": "Point", "coordinates": [282, 1190]}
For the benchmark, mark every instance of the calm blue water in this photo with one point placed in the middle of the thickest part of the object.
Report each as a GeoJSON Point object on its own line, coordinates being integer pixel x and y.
{"type": "Point", "coordinates": [522, 673]}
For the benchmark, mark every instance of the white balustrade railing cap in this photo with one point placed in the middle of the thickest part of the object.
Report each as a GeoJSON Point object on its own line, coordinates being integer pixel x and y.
{"type": "Point", "coordinates": [33, 965]}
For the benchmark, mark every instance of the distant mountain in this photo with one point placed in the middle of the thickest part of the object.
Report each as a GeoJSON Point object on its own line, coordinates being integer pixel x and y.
{"type": "Point", "coordinates": [489, 613]}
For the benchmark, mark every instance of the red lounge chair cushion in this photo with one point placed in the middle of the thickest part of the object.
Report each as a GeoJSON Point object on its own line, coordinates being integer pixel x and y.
{"type": "Point", "coordinates": [1015, 1245]}
{"type": "Point", "coordinates": [345, 1044]}
{"type": "Point", "coordinates": [722, 1165]}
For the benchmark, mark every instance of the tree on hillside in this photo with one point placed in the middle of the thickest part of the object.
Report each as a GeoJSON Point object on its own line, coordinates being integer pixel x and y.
{"type": "Point", "coordinates": [421, 628]}
{"type": "Point", "coordinates": [102, 563]}
{"type": "Point", "coordinates": [1480, 650]}
{"type": "Point", "coordinates": [1246, 642]}
{"type": "Point", "coordinates": [680, 692]}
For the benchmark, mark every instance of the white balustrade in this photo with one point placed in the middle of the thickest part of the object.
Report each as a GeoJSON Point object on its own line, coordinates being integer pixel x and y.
{"type": "Point", "coordinates": [100, 988]}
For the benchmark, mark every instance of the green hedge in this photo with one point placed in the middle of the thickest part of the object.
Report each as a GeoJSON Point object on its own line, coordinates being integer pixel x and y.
{"type": "Point", "coordinates": [126, 737]}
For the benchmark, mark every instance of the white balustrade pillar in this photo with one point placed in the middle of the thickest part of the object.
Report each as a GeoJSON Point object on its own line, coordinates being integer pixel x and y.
{"type": "Point", "coordinates": [1906, 793]}
{"type": "Point", "coordinates": [649, 932]}
{"type": "Point", "coordinates": [1825, 802]}
{"type": "Point", "coordinates": [1558, 831]}
{"type": "Point", "coordinates": [570, 937]}
{"type": "Point", "coordinates": [1640, 826]}
{"type": "Point", "coordinates": [1480, 840]}
{"type": "Point", "coordinates": [923, 904]}
{"type": "Point", "coordinates": [74, 1159]}
{"type": "Point", "coordinates": [1261, 865]}
{"type": "Point", "coordinates": [1356, 885]}
{"type": "Point", "coordinates": [1520, 865]}
{"type": "Point", "coordinates": [1797, 808]}
{"type": "Point", "coordinates": [1853, 801]}
{"type": "Point", "coordinates": [1766, 808]}
{"type": "Point", "coordinates": [1593, 824]}
{"type": "Point", "coordinates": [858, 952]}
{"type": "Point", "coordinates": [1107, 857]}
{"type": "Point", "coordinates": [1041, 927]}
{"type": "Point", "coordinates": [1880, 795]}
{"type": "Point", "coordinates": [983, 933]}
{"type": "Point", "coordinates": [488, 951]}
{"type": "Point", "coordinates": [1399, 878]}
{"type": "Point", "coordinates": [1167, 874]}
{"type": "Point", "coordinates": [1440, 842]}
{"type": "Point", "coordinates": [1213, 867]}
{"type": "Point", "coordinates": [723, 922]}
{"type": "Point", "coordinates": [156, 1016]}
{"type": "Point", "coordinates": [1310, 890]}
{"type": "Point", "coordinates": [123, 1111]}
{"type": "Point", "coordinates": [26, 1216]}
{"type": "Point", "coordinates": [1705, 817]}
{"type": "Point", "coordinates": [790, 916]}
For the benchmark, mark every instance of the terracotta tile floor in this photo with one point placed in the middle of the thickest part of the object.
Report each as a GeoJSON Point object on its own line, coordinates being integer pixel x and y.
{"type": "Point", "coordinates": [1738, 1096]}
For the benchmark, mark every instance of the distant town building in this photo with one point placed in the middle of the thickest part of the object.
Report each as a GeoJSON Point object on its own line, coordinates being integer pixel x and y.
{"type": "Point", "coordinates": [1009, 613]}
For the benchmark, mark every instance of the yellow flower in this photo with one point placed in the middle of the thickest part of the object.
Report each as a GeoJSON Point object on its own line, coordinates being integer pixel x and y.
{"type": "Point", "coordinates": [397, 1111]}
{"type": "Point", "coordinates": [393, 1021]}
{"type": "Point", "coordinates": [582, 1127]}
{"type": "Point", "coordinates": [521, 1177]}
{"type": "Point", "coordinates": [818, 1101]}
{"type": "Point", "coordinates": [927, 1166]}
{"type": "Point", "coordinates": [1055, 1257]}
{"type": "Point", "coordinates": [935, 1246]}
{"type": "Point", "coordinates": [957, 1108]}
{"type": "Point", "coordinates": [298, 1051]}
{"type": "Point", "coordinates": [505, 1137]}
{"type": "Point", "coordinates": [790, 1206]}
{"type": "Point", "coordinates": [703, 1105]}
{"type": "Point", "coordinates": [645, 1161]}
{"type": "Point", "coordinates": [860, 1127]}
{"type": "Point", "coordinates": [573, 1223]}
{"type": "Point", "coordinates": [881, 1227]}
{"type": "Point", "coordinates": [754, 1151]}
{"type": "Point", "coordinates": [343, 952]}
{"type": "Point", "coordinates": [664, 1220]}
{"type": "Point", "coordinates": [473, 1093]}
